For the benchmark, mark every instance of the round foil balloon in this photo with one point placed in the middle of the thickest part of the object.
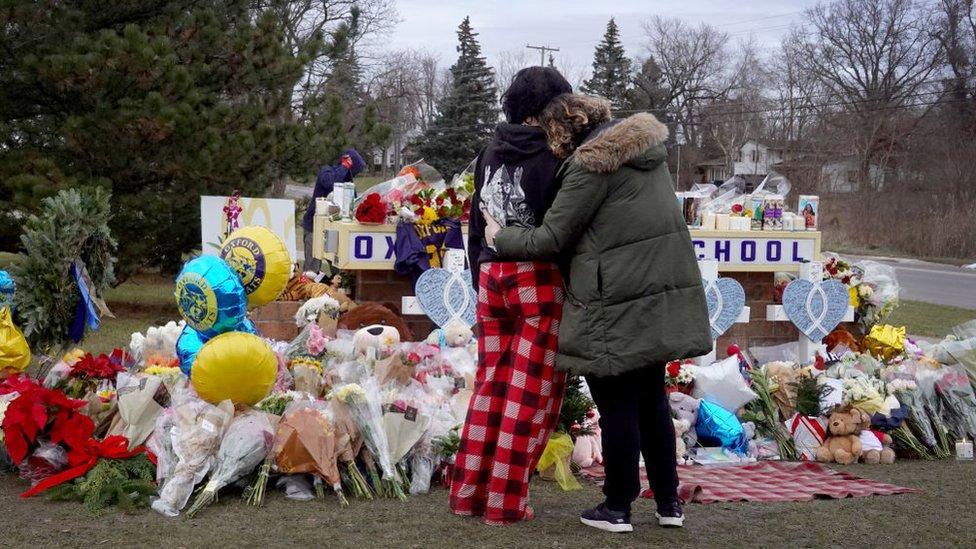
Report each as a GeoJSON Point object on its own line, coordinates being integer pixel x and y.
{"type": "Point", "coordinates": [236, 366]}
{"type": "Point", "coordinates": [210, 296]}
{"type": "Point", "coordinates": [261, 260]}
{"type": "Point", "coordinates": [718, 426]}
{"type": "Point", "coordinates": [247, 327]}
{"type": "Point", "coordinates": [187, 347]}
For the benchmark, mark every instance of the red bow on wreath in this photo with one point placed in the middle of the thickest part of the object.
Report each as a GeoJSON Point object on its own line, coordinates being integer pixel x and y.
{"type": "Point", "coordinates": [83, 457]}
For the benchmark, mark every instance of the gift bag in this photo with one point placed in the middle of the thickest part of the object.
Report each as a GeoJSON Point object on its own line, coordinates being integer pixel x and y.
{"type": "Point", "coordinates": [808, 433]}
{"type": "Point", "coordinates": [15, 354]}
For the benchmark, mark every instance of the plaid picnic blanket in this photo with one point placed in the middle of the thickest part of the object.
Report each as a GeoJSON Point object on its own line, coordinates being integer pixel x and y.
{"type": "Point", "coordinates": [766, 481]}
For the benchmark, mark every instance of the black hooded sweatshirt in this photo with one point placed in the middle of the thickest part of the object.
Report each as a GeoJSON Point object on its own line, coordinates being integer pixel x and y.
{"type": "Point", "coordinates": [515, 177]}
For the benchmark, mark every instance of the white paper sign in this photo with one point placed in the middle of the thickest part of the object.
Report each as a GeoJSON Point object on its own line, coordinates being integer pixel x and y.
{"type": "Point", "coordinates": [275, 214]}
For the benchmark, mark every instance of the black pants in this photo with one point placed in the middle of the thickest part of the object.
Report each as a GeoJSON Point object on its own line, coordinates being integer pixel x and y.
{"type": "Point", "coordinates": [635, 419]}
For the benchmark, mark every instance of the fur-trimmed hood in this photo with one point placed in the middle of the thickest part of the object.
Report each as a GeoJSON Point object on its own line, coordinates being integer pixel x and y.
{"type": "Point", "coordinates": [623, 141]}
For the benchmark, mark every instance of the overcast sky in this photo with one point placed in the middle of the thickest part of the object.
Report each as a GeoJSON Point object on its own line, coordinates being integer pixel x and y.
{"type": "Point", "coordinates": [576, 26]}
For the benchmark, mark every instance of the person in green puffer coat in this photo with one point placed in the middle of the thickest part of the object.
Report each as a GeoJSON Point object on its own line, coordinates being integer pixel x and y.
{"type": "Point", "coordinates": [635, 298]}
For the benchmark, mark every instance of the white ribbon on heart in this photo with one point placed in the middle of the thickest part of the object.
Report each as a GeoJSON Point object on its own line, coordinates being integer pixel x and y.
{"type": "Point", "coordinates": [456, 278]}
{"type": "Point", "coordinates": [818, 321]}
{"type": "Point", "coordinates": [712, 286]}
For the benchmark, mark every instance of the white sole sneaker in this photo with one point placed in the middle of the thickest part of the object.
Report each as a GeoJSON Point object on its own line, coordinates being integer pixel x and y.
{"type": "Point", "coordinates": [670, 522]}
{"type": "Point", "coordinates": [607, 526]}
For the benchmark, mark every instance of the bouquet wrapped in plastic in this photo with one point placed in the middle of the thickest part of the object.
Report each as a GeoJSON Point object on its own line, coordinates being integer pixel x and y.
{"type": "Point", "coordinates": [429, 450]}
{"type": "Point", "coordinates": [349, 443]}
{"type": "Point", "coordinates": [365, 403]}
{"type": "Point", "coordinates": [244, 446]}
{"type": "Point", "coordinates": [137, 407]}
{"type": "Point", "coordinates": [198, 428]}
{"type": "Point", "coordinates": [306, 443]}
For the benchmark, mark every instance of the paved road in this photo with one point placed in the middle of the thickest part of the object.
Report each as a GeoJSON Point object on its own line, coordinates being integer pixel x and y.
{"type": "Point", "coordinates": [934, 282]}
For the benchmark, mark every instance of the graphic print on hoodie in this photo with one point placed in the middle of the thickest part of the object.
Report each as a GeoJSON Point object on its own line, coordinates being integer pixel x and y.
{"type": "Point", "coordinates": [504, 198]}
{"type": "Point", "coordinates": [515, 178]}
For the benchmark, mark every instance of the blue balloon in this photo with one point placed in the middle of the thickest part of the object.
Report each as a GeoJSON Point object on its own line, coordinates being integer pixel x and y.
{"type": "Point", "coordinates": [210, 296]}
{"type": "Point", "coordinates": [719, 427]}
{"type": "Point", "coordinates": [7, 288]}
{"type": "Point", "coordinates": [187, 347]}
{"type": "Point", "coordinates": [247, 327]}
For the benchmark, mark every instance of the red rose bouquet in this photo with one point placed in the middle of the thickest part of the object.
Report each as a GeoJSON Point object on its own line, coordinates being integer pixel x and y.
{"type": "Point", "coordinates": [371, 210]}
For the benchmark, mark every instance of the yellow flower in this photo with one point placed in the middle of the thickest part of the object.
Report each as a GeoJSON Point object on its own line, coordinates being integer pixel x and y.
{"type": "Point", "coordinates": [429, 216]}
{"type": "Point", "coordinates": [855, 298]}
{"type": "Point", "coordinates": [73, 356]}
{"type": "Point", "coordinates": [158, 370]}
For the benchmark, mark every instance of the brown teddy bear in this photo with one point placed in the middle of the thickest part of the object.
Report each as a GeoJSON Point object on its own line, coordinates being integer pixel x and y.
{"type": "Point", "coordinates": [844, 444]}
{"type": "Point", "coordinates": [369, 314]}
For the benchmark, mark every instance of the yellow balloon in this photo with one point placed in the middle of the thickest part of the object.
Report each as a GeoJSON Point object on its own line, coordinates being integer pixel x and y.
{"type": "Point", "coordinates": [15, 353]}
{"type": "Point", "coordinates": [261, 259]}
{"type": "Point", "coordinates": [236, 366]}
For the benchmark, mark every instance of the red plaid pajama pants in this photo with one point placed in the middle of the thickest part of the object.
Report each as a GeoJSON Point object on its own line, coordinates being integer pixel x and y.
{"type": "Point", "coordinates": [517, 392]}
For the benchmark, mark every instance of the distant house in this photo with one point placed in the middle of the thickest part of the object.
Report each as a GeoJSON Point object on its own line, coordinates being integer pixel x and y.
{"type": "Point", "coordinates": [756, 159]}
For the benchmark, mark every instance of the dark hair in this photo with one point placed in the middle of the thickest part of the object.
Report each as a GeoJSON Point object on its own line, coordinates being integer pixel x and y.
{"type": "Point", "coordinates": [531, 90]}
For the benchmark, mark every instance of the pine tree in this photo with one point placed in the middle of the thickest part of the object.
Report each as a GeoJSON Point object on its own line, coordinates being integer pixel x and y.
{"type": "Point", "coordinates": [649, 92]}
{"type": "Point", "coordinates": [467, 115]}
{"type": "Point", "coordinates": [611, 69]}
{"type": "Point", "coordinates": [159, 100]}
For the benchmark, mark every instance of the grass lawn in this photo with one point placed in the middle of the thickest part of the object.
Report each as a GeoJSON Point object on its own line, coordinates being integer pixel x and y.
{"type": "Point", "coordinates": [848, 248]}
{"type": "Point", "coordinates": [926, 319]}
{"type": "Point", "coordinates": [141, 302]}
{"type": "Point", "coordinates": [941, 515]}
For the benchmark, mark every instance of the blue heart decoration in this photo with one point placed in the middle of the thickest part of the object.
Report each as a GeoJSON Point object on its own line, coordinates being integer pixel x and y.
{"type": "Point", "coordinates": [446, 295]}
{"type": "Point", "coordinates": [816, 308]}
{"type": "Point", "coordinates": [725, 298]}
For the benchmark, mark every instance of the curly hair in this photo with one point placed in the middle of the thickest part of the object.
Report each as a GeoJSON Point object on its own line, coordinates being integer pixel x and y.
{"type": "Point", "coordinates": [569, 118]}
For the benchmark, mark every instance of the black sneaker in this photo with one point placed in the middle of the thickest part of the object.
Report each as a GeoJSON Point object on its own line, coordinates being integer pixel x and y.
{"type": "Point", "coordinates": [607, 520]}
{"type": "Point", "coordinates": [670, 514]}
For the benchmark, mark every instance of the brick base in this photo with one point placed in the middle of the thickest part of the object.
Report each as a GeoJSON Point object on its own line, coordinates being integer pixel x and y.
{"type": "Point", "coordinates": [389, 287]}
{"type": "Point", "coordinates": [276, 320]}
{"type": "Point", "coordinates": [758, 332]}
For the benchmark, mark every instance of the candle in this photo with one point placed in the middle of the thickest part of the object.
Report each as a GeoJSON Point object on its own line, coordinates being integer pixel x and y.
{"type": "Point", "coordinates": [964, 450]}
{"type": "Point", "coordinates": [721, 222]}
{"type": "Point", "coordinates": [708, 221]}
{"type": "Point", "coordinates": [787, 222]}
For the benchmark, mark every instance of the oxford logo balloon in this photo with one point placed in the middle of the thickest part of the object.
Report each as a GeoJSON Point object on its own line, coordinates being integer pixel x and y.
{"type": "Point", "coordinates": [236, 366]}
{"type": "Point", "coordinates": [210, 296]}
{"type": "Point", "coordinates": [261, 260]}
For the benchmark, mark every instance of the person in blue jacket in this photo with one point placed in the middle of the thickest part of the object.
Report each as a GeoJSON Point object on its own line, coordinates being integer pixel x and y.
{"type": "Point", "coordinates": [348, 166]}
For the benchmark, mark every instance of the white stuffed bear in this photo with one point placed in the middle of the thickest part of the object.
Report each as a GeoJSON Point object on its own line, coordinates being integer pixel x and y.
{"type": "Point", "coordinates": [159, 340]}
{"type": "Point", "coordinates": [681, 426]}
{"type": "Point", "coordinates": [588, 449]}
{"type": "Point", "coordinates": [455, 334]}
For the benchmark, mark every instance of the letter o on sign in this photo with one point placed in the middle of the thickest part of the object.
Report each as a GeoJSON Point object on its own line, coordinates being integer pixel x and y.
{"type": "Point", "coordinates": [362, 247]}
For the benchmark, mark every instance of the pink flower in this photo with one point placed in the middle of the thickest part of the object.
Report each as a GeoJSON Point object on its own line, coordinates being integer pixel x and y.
{"type": "Point", "coordinates": [316, 340]}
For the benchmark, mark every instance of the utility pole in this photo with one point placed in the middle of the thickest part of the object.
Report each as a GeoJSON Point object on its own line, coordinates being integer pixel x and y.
{"type": "Point", "coordinates": [542, 52]}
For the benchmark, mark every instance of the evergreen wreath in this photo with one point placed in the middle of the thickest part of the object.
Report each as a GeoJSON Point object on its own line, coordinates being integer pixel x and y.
{"type": "Point", "coordinates": [71, 225]}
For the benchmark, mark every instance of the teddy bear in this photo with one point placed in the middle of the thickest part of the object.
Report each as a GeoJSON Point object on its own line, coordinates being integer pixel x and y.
{"type": "Point", "coordinates": [844, 443]}
{"type": "Point", "coordinates": [875, 445]}
{"type": "Point", "coordinates": [369, 314]}
{"type": "Point", "coordinates": [455, 334]}
{"type": "Point", "coordinates": [685, 407]}
{"type": "Point", "coordinates": [681, 427]}
{"type": "Point", "coordinates": [749, 434]}
{"type": "Point", "coordinates": [378, 346]}
{"type": "Point", "coordinates": [784, 375]}
{"type": "Point", "coordinates": [840, 337]}
{"type": "Point", "coordinates": [588, 448]}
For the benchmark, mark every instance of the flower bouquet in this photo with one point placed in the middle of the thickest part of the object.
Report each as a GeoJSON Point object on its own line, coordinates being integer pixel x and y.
{"type": "Point", "coordinates": [405, 420]}
{"type": "Point", "coordinates": [306, 443]}
{"type": "Point", "coordinates": [679, 377]}
{"type": "Point", "coordinates": [198, 428]}
{"type": "Point", "coordinates": [349, 443]}
{"type": "Point", "coordinates": [764, 412]}
{"type": "Point", "coordinates": [245, 445]}
{"type": "Point", "coordinates": [137, 407]}
{"type": "Point", "coordinates": [365, 403]}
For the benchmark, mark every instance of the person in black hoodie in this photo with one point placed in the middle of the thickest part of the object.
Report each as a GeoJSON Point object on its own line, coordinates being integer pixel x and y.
{"type": "Point", "coordinates": [518, 392]}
